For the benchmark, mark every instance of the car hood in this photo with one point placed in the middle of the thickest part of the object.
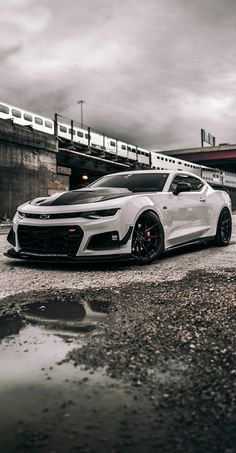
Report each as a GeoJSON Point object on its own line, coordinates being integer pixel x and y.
{"type": "Point", "coordinates": [83, 196]}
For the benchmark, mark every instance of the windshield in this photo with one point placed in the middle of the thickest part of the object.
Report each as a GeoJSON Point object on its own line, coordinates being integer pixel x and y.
{"type": "Point", "coordinates": [135, 182]}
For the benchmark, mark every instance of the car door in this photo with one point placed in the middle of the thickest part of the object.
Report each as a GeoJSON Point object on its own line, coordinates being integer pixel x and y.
{"type": "Point", "coordinates": [190, 217]}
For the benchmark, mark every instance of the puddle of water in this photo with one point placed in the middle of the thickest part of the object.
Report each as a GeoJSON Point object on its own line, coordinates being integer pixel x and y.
{"type": "Point", "coordinates": [41, 401]}
{"type": "Point", "coordinates": [35, 390]}
{"type": "Point", "coordinates": [24, 356]}
{"type": "Point", "coordinates": [41, 335]}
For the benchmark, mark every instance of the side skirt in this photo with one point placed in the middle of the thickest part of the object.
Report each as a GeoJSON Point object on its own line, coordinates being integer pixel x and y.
{"type": "Point", "coordinates": [189, 243]}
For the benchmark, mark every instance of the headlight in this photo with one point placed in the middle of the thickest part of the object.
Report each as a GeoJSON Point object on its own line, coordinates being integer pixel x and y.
{"type": "Point", "coordinates": [99, 214]}
{"type": "Point", "coordinates": [21, 214]}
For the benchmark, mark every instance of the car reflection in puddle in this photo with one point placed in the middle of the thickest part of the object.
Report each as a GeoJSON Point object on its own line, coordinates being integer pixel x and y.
{"type": "Point", "coordinates": [66, 315]}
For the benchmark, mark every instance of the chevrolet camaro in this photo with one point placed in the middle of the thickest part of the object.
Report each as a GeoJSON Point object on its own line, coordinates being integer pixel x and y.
{"type": "Point", "coordinates": [134, 214]}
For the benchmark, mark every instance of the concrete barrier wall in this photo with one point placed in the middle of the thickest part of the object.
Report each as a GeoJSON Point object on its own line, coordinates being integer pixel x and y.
{"type": "Point", "coordinates": [28, 167]}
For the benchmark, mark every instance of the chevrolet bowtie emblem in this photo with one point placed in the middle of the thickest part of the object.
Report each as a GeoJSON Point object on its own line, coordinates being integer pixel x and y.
{"type": "Point", "coordinates": [44, 216]}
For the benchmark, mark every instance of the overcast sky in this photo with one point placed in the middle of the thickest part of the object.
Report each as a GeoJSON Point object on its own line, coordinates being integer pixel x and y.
{"type": "Point", "coordinates": [151, 72]}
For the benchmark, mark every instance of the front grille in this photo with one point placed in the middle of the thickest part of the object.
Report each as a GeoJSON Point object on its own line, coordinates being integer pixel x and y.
{"type": "Point", "coordinates": [56, 240]}
{"type": "Point", "coordinates": [63, 215]}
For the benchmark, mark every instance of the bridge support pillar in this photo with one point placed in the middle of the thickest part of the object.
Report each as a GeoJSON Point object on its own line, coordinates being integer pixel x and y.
{"type": "Point", "coordinates": [28, 167]}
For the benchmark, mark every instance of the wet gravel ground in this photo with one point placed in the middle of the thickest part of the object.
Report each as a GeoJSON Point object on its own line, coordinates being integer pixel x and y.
{"type": "Point", "coordinates": [158, 376]}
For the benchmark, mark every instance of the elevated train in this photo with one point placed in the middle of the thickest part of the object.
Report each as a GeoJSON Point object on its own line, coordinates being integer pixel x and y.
{"type": "Point", "coordinates": [113, 148]}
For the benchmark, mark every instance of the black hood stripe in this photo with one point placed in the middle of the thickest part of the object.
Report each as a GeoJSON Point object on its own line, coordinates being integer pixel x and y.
{"type": "Point", "coordinates": [75, 197]}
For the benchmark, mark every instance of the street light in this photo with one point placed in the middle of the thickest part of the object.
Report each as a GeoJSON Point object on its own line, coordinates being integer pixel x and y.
{"type": "Point", "coordinates": [81, 102]}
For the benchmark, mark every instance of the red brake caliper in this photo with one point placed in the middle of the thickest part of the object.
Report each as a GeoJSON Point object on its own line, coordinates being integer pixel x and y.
{"type": "Point", "coordinates": [148, 235]}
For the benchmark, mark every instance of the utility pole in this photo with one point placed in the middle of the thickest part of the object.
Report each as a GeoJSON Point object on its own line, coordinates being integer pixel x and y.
{"type": "Point", "coordinates": [81, 102]}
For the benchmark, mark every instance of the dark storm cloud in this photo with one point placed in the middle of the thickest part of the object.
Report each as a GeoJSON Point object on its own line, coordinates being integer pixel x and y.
{"type": "Point", "coordinates": [151, 73]}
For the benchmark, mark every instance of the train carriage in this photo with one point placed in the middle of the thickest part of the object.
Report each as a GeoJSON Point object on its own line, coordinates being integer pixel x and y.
{"type": "Point", "coordinates": [113, 148]}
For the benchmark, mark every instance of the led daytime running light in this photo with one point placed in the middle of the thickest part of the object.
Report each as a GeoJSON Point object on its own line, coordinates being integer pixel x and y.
{"type": "Point", "coordinates": [99, 214]}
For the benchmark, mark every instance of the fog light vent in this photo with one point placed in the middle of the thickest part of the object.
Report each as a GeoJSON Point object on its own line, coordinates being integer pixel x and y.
{"type": "Point", "coordinates": [104, 241]}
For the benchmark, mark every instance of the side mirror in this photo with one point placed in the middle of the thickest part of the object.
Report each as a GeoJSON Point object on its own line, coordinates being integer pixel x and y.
{"type": "Point", "coordinates": [182, 187]}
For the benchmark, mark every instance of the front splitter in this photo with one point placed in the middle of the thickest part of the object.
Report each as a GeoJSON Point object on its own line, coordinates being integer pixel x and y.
{"type": "Point", "coordinates": [11, 253]}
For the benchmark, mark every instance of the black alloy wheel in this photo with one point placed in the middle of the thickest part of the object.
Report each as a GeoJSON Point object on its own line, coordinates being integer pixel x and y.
{"type": "Point", "coordinates": [224, 228]}
{"type": "Point", "coordinates": [148, 238]}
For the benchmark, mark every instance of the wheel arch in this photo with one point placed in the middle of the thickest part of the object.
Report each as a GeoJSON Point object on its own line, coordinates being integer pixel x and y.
{"type": "Point", "coordinates": [224, 206]}
{"type": "Point", "coordinates": [161, 245]}
{"type": "Point", "coordinates": [218, 240]}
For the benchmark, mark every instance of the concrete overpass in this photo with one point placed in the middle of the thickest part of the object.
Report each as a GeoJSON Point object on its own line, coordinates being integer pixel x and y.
{"type": "Point", "coordinates": [221, 156]}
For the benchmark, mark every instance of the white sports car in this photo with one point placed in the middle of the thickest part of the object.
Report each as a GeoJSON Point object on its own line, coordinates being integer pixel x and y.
{"type": "Point", "coordinates": [135, 214]}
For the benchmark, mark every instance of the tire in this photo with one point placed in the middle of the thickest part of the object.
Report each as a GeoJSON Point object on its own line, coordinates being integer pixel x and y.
{"type": "Point", "coordinates": [224, 229]}
{"type": "Point", "coordinates": [148, 238]}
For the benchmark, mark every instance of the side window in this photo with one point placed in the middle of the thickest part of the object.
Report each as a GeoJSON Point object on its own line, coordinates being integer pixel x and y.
{"type": "Point", "coordinates": [48, 124]}
{"type": "Point", "coordinates": [28, 117]}
{"type": "Point", "coordinates": [4, 109]}
{"type": "Point", "coordinates": [112, 143]}
{"type": "Point", "coordinates": [70, 130]}
{"type": "Point", "coordinates": [176, 181]}
{"type": "Point", "coordinates": [80, 134]}
{"type": "Point", "coordinates": [38, 120]}
{"type": "Point", "coordinates": [88, 136]}
{"type": "Point", "coordinates": [63, 129]}
{"type": "Point", "coordinates": [195, 183]}
{"type": "Point", "coordinates": [123, 147]}
{"type": "Point", "coordinates": [16, 113]}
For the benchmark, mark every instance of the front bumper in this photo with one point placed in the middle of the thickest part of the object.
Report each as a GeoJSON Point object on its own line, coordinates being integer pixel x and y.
{"type": "Point", "coordinates": [54, 241]}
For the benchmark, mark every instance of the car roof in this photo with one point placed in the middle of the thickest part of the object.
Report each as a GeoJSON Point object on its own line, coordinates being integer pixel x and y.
{"type": "Point", "coordinates": [171, 172]}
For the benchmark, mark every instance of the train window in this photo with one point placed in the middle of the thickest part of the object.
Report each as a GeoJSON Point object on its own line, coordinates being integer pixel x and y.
{"type": "Point", "coordinates": [88, 136]}
{"type": "Point", "coordinates": [48, 124]}
{"type": "Point", "coordinates": [80, 134]}
{"type": "Point", "coordinates": [70, 131]}
{"type": "Point", "coordinates": [4, 109]}
{"type": "Point", "coordinates": [63, 129]}
{"type": "Point", "coordinates": [112, 143]}
{"type": "Point", "coordinates": [123, 147]}
{"type": "Point", "coordinates": [16, 113]}
{"type": "Point", "coordinates": [162, 158]}
{"type": "Point", "coordinates": [38, 120]}
{"type": "Point", "coordinates": [28, 117]}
